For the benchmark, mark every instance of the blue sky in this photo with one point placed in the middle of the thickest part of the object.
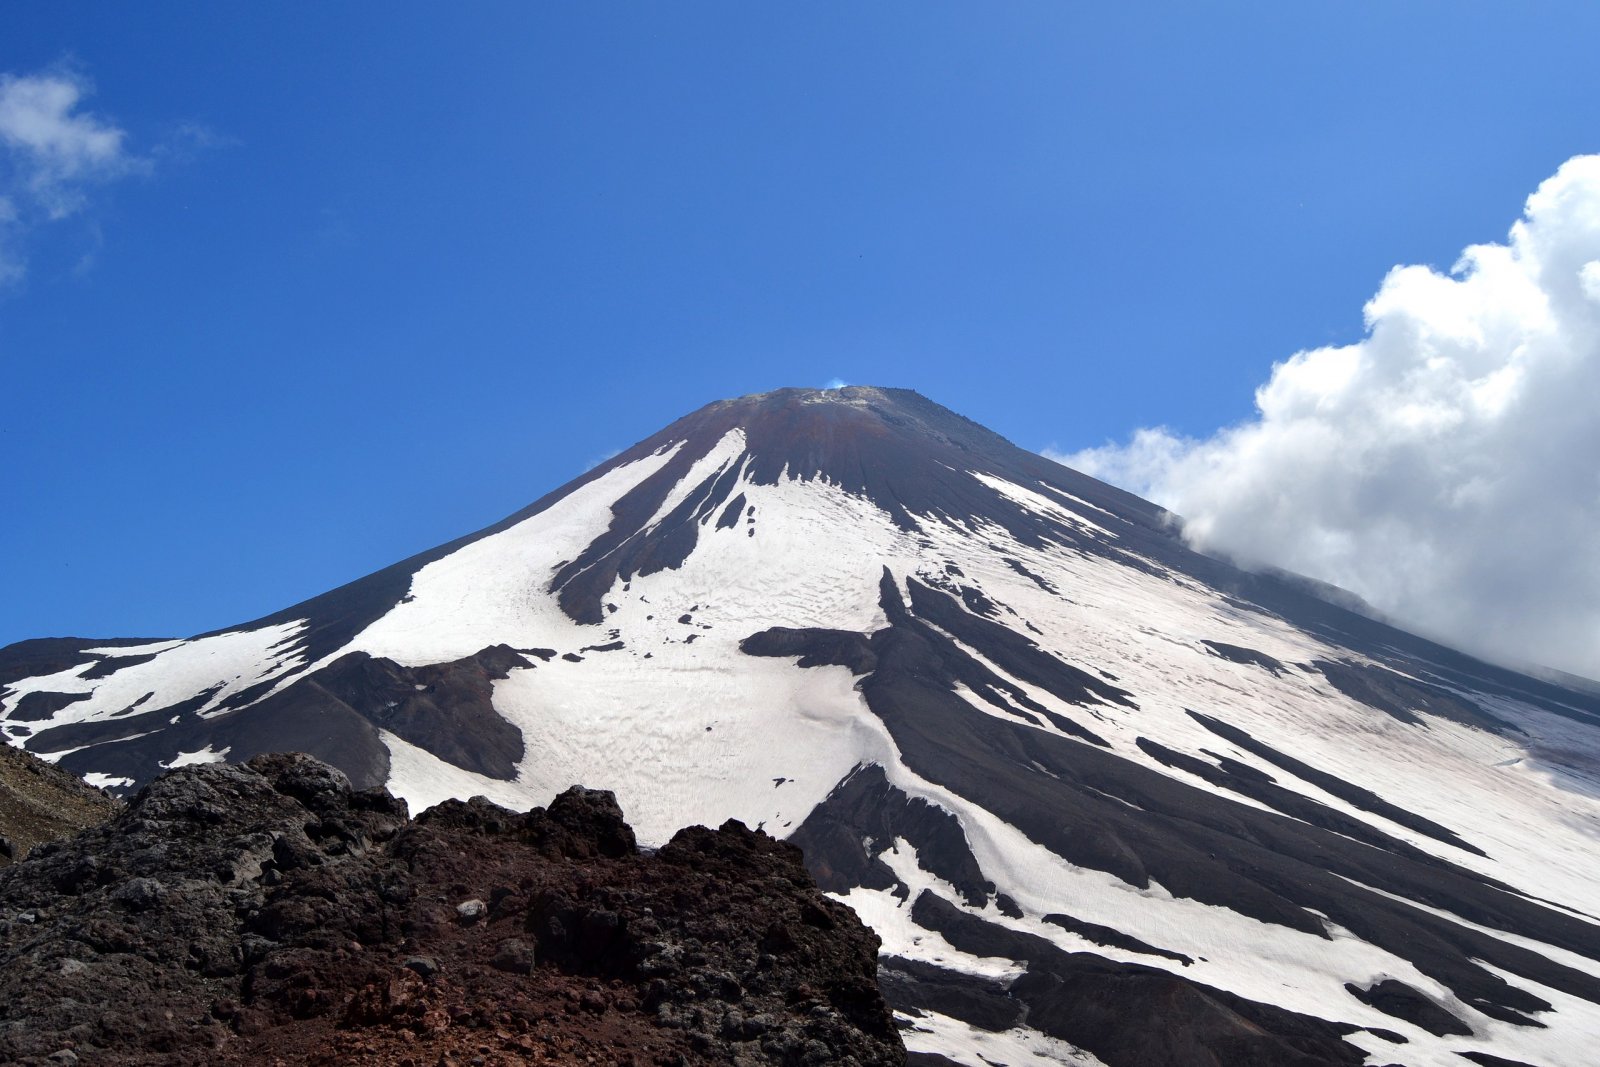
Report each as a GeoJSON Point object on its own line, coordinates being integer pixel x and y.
{"type": "Point", "coordinates": [361, 278]}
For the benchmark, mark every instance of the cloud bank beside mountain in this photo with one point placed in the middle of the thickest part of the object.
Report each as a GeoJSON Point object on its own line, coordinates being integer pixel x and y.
{"type": "Point", "coordinates": [1446, 467]}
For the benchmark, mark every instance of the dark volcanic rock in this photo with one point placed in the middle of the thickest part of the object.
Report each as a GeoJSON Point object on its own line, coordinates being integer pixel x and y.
{"type": "Point", "coordinates": [1402, 697]}
{"type": "Point", "coordinates": [1133, 1016]}
{"type": "Point", "coordinates": [1393, 997]}
{"type": "Point", "coordinates": [1364, 799]}
{"type": "Point", "coordinates": [32, 707]}
{"type": "Point", "coordinates": [1484, 1059]}
{"type": "Point", "coordinates": [50, 655]}
{"type": "Point", "coordinates": [861, 818]}
{"type": "Point", "coordinates": [1105, 935]}
{"type": "Point", "coordinates": [269, 912]}
{"type": "Point", "coordinates": [444, 708]}
{"type": "Point", "coordinates": [914, 986]}
{"type": "Point", "coordinates": [1240, 654]}
{"type": "Point", "coordinates": [335, 712]}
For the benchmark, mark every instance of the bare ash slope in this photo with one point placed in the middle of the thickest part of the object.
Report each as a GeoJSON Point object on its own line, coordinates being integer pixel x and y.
{"type": "Point", "coordinates": [40, 802]}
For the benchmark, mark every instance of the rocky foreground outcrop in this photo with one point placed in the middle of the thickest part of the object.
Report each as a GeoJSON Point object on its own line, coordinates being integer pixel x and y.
{"type": "Point", "coordinates": [269, 913]}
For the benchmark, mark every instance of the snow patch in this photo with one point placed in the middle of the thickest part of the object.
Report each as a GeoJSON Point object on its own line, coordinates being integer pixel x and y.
{"type": "Point", "coordinates": [204, 755]}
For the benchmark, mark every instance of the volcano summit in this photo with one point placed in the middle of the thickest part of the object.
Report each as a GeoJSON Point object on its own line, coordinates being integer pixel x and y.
{"type": "Point", "coordinates": [1105, 799]}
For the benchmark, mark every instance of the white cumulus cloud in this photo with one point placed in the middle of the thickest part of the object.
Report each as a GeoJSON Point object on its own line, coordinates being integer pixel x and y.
{"type": "Point", "coordinates": [1446, 467]}
{"type": "Point", "coordinates": [51, 155]}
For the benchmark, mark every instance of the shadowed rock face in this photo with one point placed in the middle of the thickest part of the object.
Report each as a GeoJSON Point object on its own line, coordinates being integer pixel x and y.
{"type": "Point", "coordinates": [270, 912]}
{"type": "Point", "coordinates": [1395, 998]}
{"type": "Point", "coordinates": [845, 835]}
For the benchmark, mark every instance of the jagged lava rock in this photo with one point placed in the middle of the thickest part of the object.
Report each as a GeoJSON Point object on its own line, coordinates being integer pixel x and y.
{"type": "Point", "coordinates": [269, 912]}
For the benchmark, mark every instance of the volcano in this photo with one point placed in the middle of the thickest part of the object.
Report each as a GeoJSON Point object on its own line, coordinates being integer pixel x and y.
{"type": "Point", "coordinates": [1105, 799]}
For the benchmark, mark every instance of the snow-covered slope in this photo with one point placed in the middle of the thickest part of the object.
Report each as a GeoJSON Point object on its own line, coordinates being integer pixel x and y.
{"type": "Point", "coordinates": [1105, 800]}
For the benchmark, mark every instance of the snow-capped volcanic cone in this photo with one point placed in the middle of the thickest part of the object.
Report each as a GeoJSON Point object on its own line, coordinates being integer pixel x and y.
{"type": "Point", "coordinates": [1105, 799]}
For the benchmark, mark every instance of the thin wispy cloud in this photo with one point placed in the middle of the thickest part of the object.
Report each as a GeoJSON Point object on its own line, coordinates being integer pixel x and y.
{"type": "Point", "coordinates": [1446, 467]}
{"type": "Point", "coordinates": [53, 154]}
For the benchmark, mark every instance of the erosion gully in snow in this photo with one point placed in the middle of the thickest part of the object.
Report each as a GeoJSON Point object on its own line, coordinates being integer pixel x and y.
{"type": "Point", "coordinates": [1106, 800]}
